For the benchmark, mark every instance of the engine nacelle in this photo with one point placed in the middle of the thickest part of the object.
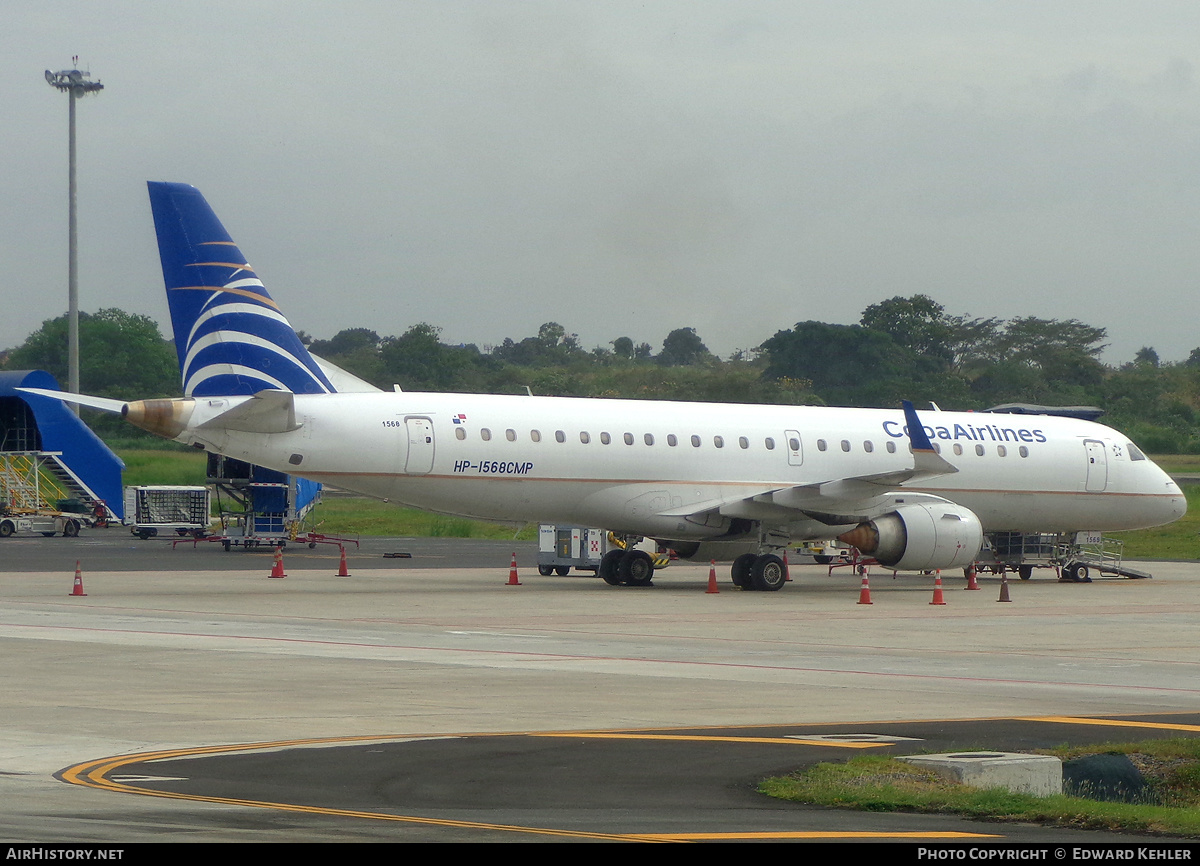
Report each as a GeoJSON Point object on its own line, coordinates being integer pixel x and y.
{"type": "Point", "coordinates": [920, 536]}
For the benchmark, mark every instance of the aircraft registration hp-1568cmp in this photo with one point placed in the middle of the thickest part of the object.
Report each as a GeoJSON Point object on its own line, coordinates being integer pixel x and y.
{"type": "Point", "coordinates": [710, 481]}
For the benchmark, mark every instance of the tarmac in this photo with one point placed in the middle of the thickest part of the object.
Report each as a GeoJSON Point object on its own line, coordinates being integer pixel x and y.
{"type": "Point", "coordinates": [199, 651]}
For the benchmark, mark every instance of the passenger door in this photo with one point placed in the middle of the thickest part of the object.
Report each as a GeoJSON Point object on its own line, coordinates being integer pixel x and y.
{"type": "Point", "coordinates": [1097, 466]}
{"type": "Point", "coordinates": [420, 446]}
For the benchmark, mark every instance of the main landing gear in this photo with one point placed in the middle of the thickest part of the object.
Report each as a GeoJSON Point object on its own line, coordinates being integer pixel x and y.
{"type": "Point", "coordinates": [626, 568]}
{"type": "Point", "coordinates": [763, 572]}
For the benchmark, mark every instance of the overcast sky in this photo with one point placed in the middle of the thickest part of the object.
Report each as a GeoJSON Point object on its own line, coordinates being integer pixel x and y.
{"type": "Point", "coordinates": [623, 168]}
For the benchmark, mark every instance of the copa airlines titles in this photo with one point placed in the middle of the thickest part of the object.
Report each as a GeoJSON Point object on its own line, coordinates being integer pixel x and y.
{"type": "Point", "coordinates": [970, 432]}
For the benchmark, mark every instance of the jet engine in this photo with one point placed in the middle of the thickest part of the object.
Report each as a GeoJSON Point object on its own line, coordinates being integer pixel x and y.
{"type": "Point", "coordinates": [920, 536]}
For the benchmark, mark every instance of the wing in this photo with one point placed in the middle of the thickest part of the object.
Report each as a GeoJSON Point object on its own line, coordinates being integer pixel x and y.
{"type": "Point", "coordinates": [839, 501]}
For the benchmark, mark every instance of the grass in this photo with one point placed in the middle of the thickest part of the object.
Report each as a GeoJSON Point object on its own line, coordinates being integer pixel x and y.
{"type": "Point", "coordinates": [145, 466]}
{"type": "Point", "coordinates": [355, 516]}
{"type": "Point", "coordinates": [880, 784]}
{"type": "Point", "coordinates": [1178, 464]}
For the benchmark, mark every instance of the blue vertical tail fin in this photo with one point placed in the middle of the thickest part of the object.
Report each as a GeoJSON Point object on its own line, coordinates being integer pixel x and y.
{"type": "Point", "coordinates": [230, 335]}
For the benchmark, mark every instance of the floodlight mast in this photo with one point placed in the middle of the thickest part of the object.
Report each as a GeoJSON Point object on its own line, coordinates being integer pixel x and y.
{"type": "Point", "coordinates": [76, 84]}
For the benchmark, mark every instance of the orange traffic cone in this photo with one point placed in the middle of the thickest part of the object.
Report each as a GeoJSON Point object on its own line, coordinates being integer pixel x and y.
{"type": "Point", "coordinates": [1003, 587]}
{"type": "Point", "coordinates": [864, 594]}
{"type": "Point", "coordinates": [78, 589]}
{"type": "Point", "coordinates": [512, 573]}
{"type": "Point", "coordinates": [342, 572]}
{"type": "Point", "coordinates": [277, 568]}
{"type": "Point", "coordinates": [712, 577]}
{"type": "Point", "coordinates": [971, 584]}
{"type": "Point", "coordinates": [937, 589]}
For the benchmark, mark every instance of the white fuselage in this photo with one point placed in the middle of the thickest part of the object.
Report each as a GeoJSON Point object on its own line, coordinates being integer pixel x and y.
{"type": "Point", "coordinates": [685, 470]}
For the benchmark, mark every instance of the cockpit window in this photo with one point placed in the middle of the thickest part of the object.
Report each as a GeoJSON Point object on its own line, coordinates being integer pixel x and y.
{"type": "Point", "coordinates": [1135, 453]}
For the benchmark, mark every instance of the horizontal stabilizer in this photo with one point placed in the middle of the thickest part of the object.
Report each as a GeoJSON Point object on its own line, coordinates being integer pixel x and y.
{"type": "Point", "coordinates": [265, 412]}
{"type": "Point", "coordinates": [104, 404]}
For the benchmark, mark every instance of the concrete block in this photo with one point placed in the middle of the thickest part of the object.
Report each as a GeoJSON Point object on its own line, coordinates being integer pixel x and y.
{"type": "Point", "coordinates": [1040, 775]}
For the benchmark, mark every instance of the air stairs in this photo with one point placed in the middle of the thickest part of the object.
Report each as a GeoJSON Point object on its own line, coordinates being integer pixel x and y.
{"type": "Point", "coordinates": [38, 481]}
{"type": "Point", "coordinates": [47, 454]}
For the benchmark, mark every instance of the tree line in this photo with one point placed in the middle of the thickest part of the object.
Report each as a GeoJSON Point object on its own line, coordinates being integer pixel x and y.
{"type": "Point", "coordinates": [901, 348]}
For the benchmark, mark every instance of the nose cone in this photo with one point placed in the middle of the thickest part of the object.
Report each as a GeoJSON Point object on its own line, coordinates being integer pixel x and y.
{"type": "Point", "coordinates": [1178, 501]}
{"type": "Point", "coordinates": [1173, 504]}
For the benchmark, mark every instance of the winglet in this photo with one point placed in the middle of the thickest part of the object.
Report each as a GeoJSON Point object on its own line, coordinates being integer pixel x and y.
{"type": "Point", "coordinates": [916, 430]}
{"type": "Point", "coordinates": [927, 461]}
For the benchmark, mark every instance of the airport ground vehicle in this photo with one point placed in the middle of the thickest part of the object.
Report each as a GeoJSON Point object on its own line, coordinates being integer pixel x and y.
{"type": "Point", "coordinates": [563, 547]}
{"type": "Point", "coordinates": [45, 523]}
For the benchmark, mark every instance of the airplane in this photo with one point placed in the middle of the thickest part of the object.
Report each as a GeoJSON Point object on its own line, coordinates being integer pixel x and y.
{"type": "Point", "coordinates": [711, 481]}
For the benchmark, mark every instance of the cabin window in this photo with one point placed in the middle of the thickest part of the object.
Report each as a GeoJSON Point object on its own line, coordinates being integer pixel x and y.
{"type": "Point", "coordinates": [770, 443]}
{"type": "Point", "coordinates": [460, 433]}
{"type": "Point", "coordinates": [535, 435]}
{"type": "Point", "coordinates": [957, 449]}
{"type": "Point", "coordinates": [891, 447]}
{"type": "Point", "coordinates": [743, 442]}
{"type": "Point", "coordinates": [672, 439]}
{"type": "Point", "coordinates": [1001, 451]}
{"type": "Point", "coordinates": [560, 436]}
{"type": "Point", "coordinates": [845, 444]}
{"type": "Point", "coordinates": [822, 445]}
{"type": "Point", "coordinates": [794, 443]}
{"type": "Point", "coordinates": [628, 438]}
{"type": "Point", "coordinates": [868, 446]}
{"type": "Point", "coordinates": [719, 441]}
{"type": "Point", "coordinates": [1135, 453]}
{"type": "Point", "coordinates": [1023, 451]}
{"type": "Point", "coordinates": [584, 437]}
{"type": "Point", "coordinates": [979, 450]}
{"type": "Point", "coordinates": [510, 435]}
{"type": "Point", "coordinates": [605, 438]}
{"type": "Point", "coordinates": [485, 434]}
{"type": "Point", "coordinates": [695, 441]}
{"type": "Point", "coordinates": [648, 438]}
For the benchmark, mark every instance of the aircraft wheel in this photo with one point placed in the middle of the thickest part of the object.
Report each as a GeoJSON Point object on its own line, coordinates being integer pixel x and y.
{"type": "Point", "coordinates": [1025, 571]}
{"type": "Point", "coordinates": [636, 568]}
{"type": "Point", "coordinates": [562, 570]}
{"type": "Point", "coordinates": [739, 572]}
{"type": "Point", "coordinates": [768, 574]}
{"type": "Point", "coordinates": [545, 570]}
{"type": "Point", "coordinates": [1081, 573]}
{"type": "Point", "coordinates": [608, 567]}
